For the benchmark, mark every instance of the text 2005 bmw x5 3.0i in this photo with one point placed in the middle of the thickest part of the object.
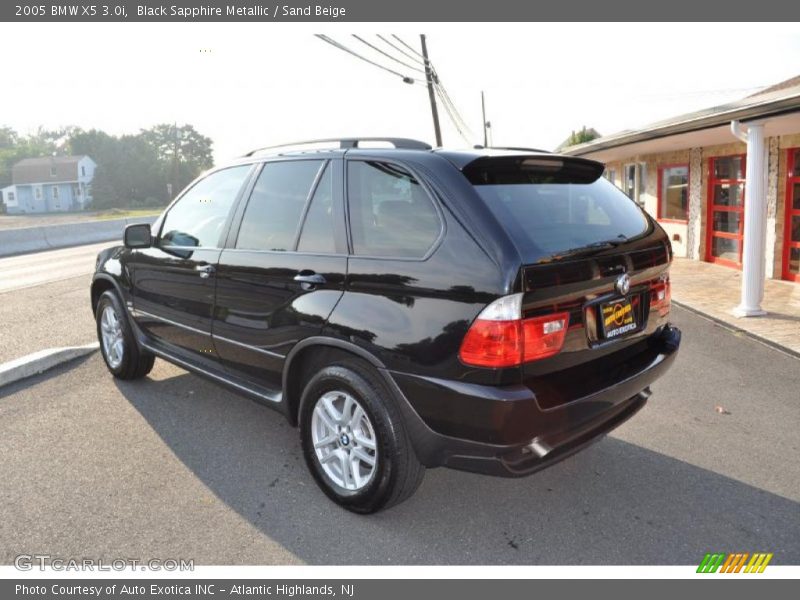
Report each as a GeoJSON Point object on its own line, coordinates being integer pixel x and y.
{"type": "Point", "coordinates": [488, 310]}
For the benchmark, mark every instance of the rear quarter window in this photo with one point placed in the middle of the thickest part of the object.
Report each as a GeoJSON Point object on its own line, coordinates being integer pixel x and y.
{"type": "Point", "coordinates": [391, 214]}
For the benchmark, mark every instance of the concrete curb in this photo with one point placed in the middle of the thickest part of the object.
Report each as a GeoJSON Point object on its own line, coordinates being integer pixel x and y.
{"type": "Point", "coordinates": [41, 361]}
{"type": "Point", "coordinates": [731, 327]}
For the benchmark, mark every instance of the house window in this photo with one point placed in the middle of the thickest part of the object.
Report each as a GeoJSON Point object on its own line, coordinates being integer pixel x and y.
{"type": "Point", "coordinates": [53, 171]}
{"type": "Point", "coordinates": [55, 193]}
{"type": "Point", "coordinates": [629, 184]}
{"type": "Point", "coordinates": [10, 196]}
{"type": "Point", "coordinates": [673, 193]}
{"type": "Point", "coordinates": [611, 175]}
{"type": "Point", "coordinates": [37, 192]}
{"type": "Point", "coordinates": [635, 180]}
{"type": "Point", "coordinates": [83, 171]}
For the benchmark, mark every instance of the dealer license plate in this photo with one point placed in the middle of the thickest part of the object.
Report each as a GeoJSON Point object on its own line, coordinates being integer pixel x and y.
{"type": "Point", "coordinates": [617, 318]}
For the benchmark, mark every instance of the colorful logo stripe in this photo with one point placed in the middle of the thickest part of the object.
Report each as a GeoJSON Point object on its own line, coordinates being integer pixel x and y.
{"type": "Point", "coordinates": [734, 563]}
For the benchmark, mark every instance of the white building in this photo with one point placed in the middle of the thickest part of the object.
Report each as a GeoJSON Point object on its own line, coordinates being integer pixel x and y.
{"type": "Point", "coordinates": [724, 182]}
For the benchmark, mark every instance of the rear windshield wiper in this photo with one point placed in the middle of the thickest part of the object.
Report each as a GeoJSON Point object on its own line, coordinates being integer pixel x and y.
{"type": "Point", "coordinates": [590, 248]}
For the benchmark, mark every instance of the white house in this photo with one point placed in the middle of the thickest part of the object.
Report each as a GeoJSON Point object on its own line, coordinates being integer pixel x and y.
{"type": "Point", "coordinates": [49, 184]}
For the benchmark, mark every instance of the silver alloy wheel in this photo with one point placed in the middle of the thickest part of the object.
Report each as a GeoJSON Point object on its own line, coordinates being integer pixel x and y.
{"type": "Point", "coordinates": [344, 440]}
{"type": "Point", "coordinates": [111, 335]}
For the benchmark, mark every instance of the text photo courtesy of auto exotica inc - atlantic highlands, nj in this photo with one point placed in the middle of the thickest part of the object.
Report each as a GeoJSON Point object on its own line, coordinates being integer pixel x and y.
{"type": "Point", "coordinates": [381, 300]}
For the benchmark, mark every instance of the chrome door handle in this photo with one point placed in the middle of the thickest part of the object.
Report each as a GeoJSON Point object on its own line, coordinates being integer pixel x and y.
{"type": "Point", "coordinates": [206, 271]}
{"type": "Point", "coordinates": [308, 281]}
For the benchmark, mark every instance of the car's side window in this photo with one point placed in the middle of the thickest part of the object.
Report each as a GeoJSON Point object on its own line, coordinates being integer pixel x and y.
{"type": "Point", "coordinates": [318, 232]}
{"type": "Point", "coordinates": [391, 215]}
{"type": "Point", "coordinates": [273, 213]}
{"type": "Point", "coordinates": [198, 218]}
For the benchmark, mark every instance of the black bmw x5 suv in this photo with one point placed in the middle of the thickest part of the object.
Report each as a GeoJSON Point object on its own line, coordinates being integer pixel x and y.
{"type": "Point", "coordinates": [407, 307]}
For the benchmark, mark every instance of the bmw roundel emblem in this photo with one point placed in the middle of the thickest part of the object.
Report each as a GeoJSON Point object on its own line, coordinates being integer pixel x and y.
{"type": "Point", "coordinates": [623, 284]}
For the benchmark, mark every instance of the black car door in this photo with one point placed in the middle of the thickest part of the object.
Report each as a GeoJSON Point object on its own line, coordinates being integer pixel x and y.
{"type": "Point", "coordinates": [173, 281]}
{"type": "Point", "coordinates": [283, 268]}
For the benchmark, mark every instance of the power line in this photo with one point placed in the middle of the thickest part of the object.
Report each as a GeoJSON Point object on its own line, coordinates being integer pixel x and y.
{"type": "Point", "coordinates": [448, 101]}
{"type": "Point", "coordinates": [344, 48]}
{"type": "Point", "coordinates": [409, 47]}
{"type": "Point", "coordinates": [453, 117]}
{"type": "Point", "coordinates": [387, 55]}
{"type": "Point", "coordinates": [400, 50]}
{"type": "Point", "coordinates": [458, 122]}
{"type": "Point", "coordinates": [432, 81]}
{"type": "Point", "coordinates": [453, 107]}
{"type": "Point", "coordinates": [439, 88]}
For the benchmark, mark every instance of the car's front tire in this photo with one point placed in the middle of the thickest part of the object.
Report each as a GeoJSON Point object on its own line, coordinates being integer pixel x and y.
{"type": "Point", "coordinates": [354, 441]}
{"type": "Point", "coordinates": [121, 353]}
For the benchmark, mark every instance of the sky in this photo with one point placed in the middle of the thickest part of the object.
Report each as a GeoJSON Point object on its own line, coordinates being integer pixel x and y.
{"type": "Point", "coordinates": [248, 85]}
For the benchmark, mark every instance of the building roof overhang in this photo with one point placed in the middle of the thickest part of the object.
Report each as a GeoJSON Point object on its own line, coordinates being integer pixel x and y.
{"type": "Point", "coordinates": [780, 112]}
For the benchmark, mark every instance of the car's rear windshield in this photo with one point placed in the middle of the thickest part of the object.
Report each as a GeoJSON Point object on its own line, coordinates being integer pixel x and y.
{"type": "Point", "coordinates": [551, 207]}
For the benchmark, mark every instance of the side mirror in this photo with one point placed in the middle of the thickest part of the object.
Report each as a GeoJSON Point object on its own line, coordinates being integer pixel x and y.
{"type": "Point", "coordinates": [137, 236]}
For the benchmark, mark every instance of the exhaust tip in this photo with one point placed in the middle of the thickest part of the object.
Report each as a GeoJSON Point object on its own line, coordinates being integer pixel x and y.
{"type": "Point", "coordinates": [539, 448]}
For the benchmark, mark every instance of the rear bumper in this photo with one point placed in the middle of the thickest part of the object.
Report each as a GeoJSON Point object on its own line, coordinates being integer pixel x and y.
{"type": "Point", "coordinates": [503, 430]}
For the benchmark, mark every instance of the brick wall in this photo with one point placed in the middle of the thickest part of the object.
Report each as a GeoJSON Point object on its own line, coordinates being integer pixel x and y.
{"type": "Point", "coordinates": [772, 253]}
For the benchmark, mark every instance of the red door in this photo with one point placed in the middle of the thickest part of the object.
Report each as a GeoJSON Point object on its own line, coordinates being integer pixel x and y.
{"type": "Point", "coordinates": [725, 223]}
{"type": "Point", "coordinates": [791, 235]}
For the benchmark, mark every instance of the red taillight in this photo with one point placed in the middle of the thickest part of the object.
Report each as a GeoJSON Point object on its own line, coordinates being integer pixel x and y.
{"type": "Point", "coordinates": [494, 342]}
{"type": "Point", "coordinates": [544, 336]}
{"type": "Point", "coordinates": [660, 297]}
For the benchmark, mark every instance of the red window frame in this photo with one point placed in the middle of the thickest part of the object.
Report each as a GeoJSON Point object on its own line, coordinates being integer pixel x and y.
{"type": "Point", "coordinates": [711, 207]}
{"type": "Point", "coordinates": [660, 191]}
{"type": "Point", "coordinates": [790, 212]}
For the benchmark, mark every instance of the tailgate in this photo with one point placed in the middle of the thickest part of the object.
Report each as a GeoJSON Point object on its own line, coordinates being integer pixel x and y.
{"type": "Point", "coordinates": [609, 325]}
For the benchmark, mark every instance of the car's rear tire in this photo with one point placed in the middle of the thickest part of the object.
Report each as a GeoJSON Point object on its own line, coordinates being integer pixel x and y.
{"type": "Point", "coordinates": [354, 441]}
{"type": "Point", "coordinates": [121, 353]}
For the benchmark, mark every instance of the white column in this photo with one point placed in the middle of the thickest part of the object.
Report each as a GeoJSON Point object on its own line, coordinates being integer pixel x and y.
{"type": "Point", "coordinates": [755, 225]}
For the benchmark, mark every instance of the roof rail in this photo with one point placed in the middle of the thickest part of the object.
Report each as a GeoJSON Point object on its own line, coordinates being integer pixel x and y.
{"type": "Point", "coordinates": [344, 143]}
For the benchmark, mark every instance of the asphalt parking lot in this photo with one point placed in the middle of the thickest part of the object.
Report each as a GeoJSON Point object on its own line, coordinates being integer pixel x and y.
{"type": "Point", "coordinates": [174, 466]}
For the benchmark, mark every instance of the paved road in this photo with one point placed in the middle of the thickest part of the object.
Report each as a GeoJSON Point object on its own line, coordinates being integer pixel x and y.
{"type": "Point", "coordinates": [29, 270]}
{"type": "Point", "coordinates": [53, 284]}
{"type": "Point", "coordinates": [174, 466]}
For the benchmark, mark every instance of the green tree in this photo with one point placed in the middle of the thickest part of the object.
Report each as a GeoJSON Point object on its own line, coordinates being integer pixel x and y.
{"type": "Point", "coordinates": [49, 142]}
{"type": "Point", "coordinates": [14, 147]}
{"type": "Point", "coordinates": [129, 172]}
{"type": "Point", "coordinates": [132, 170]}
{"type": "Point", "coordinates": [8, 138]}
{"type": "Point", "coordinates": [581, 137]}
{"type": "Point", "coordinates": [8, 152]}
{"type": "Point", "coordinates": [182, 150]}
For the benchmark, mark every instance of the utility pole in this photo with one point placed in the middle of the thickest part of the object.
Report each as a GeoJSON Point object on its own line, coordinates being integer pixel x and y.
{"type": "Point", "coordinates": [483, 112]}
{"type": "Point", "coordinates": [429, 78]}
{"type": "Point", "coordinates": [173, 188]}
